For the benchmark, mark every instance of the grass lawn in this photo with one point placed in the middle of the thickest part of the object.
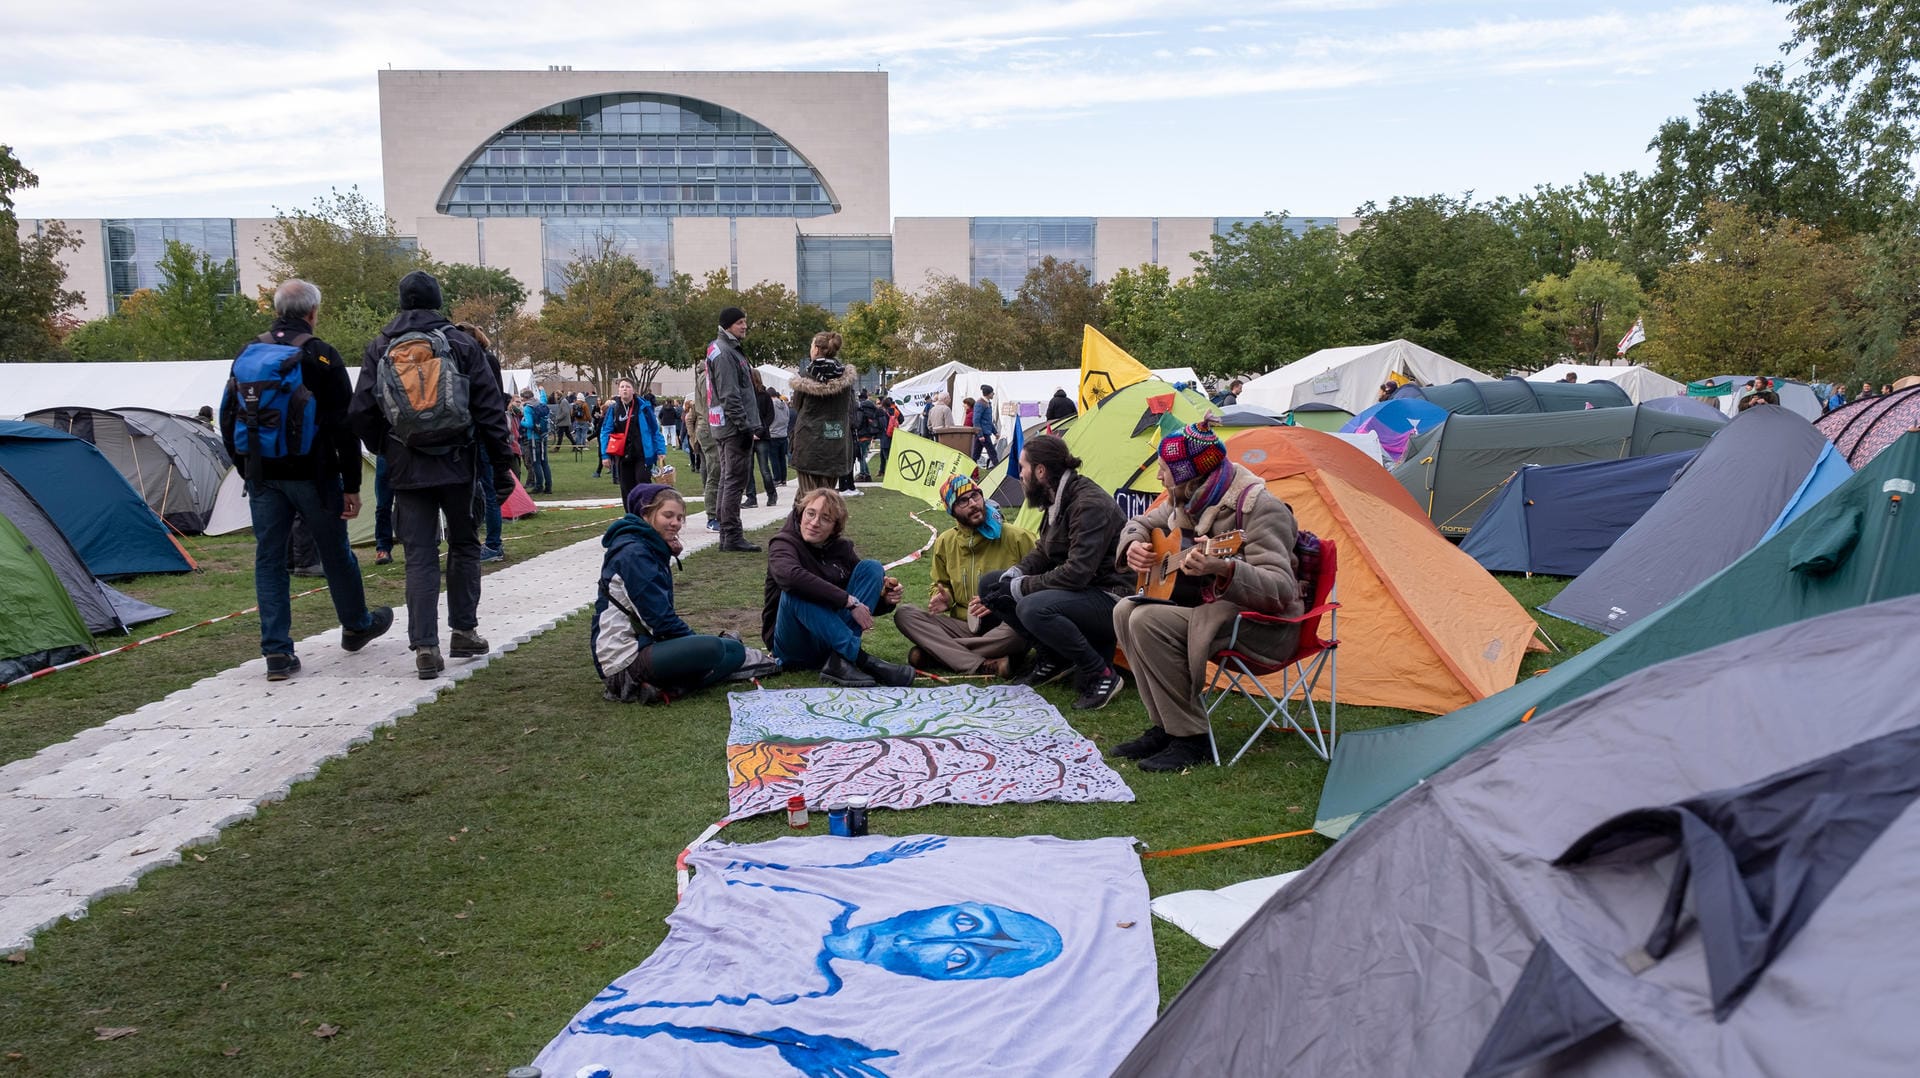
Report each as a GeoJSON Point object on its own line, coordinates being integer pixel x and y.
{"type": "Point", "coordinates": [447, 896]}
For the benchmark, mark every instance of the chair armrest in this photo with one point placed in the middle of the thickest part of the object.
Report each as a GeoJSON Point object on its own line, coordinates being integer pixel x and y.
{"type": "Point", "coordinates": [1274, 619]}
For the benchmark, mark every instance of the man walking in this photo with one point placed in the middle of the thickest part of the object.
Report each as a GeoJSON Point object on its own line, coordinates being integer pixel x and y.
{"type": "Point", "coordinates": [956, 630]}
{"type": "Point", "coordinates": [321, 484]}
{"type": "Point", "coordinates": [428, 402]}
{"type": "Point", "coordinates": [735, 418]}
{"type": "Point", "coordinates": [985, 428]}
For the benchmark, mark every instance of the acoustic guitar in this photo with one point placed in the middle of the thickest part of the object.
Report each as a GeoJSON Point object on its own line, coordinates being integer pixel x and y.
{"type": "Point", "coordinates": [1165, 582]}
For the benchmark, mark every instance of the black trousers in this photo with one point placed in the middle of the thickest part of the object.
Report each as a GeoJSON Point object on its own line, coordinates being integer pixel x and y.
{"type": "Point", "coordinates": [417, 515]}
{"type": "Point", "coordinates": [1070, 627]}
{"type": "Point", "coordinates": [631, 472]}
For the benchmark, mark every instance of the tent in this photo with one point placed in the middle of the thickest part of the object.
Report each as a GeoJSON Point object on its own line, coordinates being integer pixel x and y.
{"type": "Point", "coordinates": [232, 514]}
{"type": "Point", "coordinates": [1510, 396]}
{"type": "Point", "coordinates": [1011, 387]}
{"type": "Point", "coordinates": [1456, 469]}
{"type": "Point", "coordinates": [1396, 421]}
{"type": "Point", "coordinates": [1476, 924]}
{"type": "Point", "coordinates": [1868, 425]}
{"type": "Point", "coordinates": [1692, 406]}
{"type": "Point", "coordinates": [103, 517]}
{"type": "Point", "coordinates": [1350, 378]}
{"type": "Point", "coordinates": [1854, 547]}
{"type": "Point", "coordinates": [1724, 391]}
{"type": "Point", "coordinates": [1641, 383]}
{"type": "Point", "coordinates": [102, 607]}
{"type": "Point", "coordinates": [1422, 627]}
{"type": "Point", "coordinates": [1117, 442]}
{"type": "Point", "coordinates": [38, 625]}
{"type": "Point", "coordinates": [1716, 511]}
{"type": "Point", "coordinates": [1559, 519]}
{"type": "Point", "coordinates": [174, 468]}
{"type": "Point", "coordinates": [1319, 416]}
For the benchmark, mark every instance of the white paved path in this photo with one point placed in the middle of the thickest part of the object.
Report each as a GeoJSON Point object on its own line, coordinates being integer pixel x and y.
{"type": "Point", "coordinates": [90, 816]}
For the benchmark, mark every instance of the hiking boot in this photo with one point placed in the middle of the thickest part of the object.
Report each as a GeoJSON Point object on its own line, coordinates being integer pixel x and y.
{"type": "Point", "coordinates": [1180, 754]}
{"type": "Point", "coordinates": [282, 667]}
{"type": "Point", "coordinates": [845, 674]}
{"type": "Point", "coordinates": [1044, 671]}
{"type": "Point", "coordinates": [758, 664]}
{"type": "Point", "coordinates": [1098, 692]}
{"type": "Point", "coordinates": [492, 553]}
{"type": "Point", "coordinates": [1148, 744]}
{"type": "Point", "coordinates": [355, 639]}
{"type": "Point", "coordinates": [772, 499]}
{"type": "Point", "coordinates": [884, 672]}
{"type": "Point", "coordinates": [467, 644]}
{"type": "Point", "coordinates": [316, 569]}
{"type": "Point", "coordinates": [383, 557]}
{"type": "Point", "coordinates": [428, 663]}
{"type": "Point", "coordinates": [740, 546]}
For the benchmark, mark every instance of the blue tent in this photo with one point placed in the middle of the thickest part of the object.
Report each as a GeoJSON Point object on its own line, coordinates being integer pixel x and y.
{"type": "Point", "coordinates": [105, 520]}
{"type": "Point", "coordinates": [1559, 519]}
{"type": "Point", "coordinates": [1398, 414]}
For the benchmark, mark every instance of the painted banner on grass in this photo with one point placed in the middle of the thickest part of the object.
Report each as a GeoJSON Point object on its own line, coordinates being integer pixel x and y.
{"type": "Point", "coordinates": [959, 744]}
{"type": "Point", "coordinates": [885, 957]}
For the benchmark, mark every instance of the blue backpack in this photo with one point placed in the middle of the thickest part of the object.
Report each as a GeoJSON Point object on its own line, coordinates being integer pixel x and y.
{"type": "Point", "coordinates": [274, 413]}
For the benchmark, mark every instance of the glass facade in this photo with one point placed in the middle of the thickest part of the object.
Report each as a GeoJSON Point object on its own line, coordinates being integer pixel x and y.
{"type": "Point", "coordinates": [634, 155]}
{"type": "Point", "coordinates": [1223, 226]}
{"type": "Point", "coordinates": [134, 247]}
{"type": "Point", "coordinates": [646, 240]}
{"type": "Point", "coordinates": [837, 270]}
{"type": "Point", "coordinates": [1005, 248]}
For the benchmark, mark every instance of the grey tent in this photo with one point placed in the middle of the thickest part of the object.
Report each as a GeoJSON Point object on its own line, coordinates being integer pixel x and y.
{"type": "Point", "coordinates": [1702, 868]}
{"type": "Point", "coordinates": [1717, 510]}
{"type": "Point", "coordinates": [102, 607]}
{"type": "Point", "coordinates": [169, 466]}
{"type": "Point", "coordinates": [1455, 470]}
{"type": "Point", "coordinates": [1559, 519]}
{"type": "Point", "coordinates": [1514, 396]}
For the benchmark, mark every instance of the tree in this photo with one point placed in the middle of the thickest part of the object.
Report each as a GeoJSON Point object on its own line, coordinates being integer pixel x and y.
{"type": "Point", "coordinates": [780, 328]}
{"type": "Point", "coordinates": [1584, 314]}
{"type": "Point", "coordinates": [485, 296]}
{"type": "Point", "coordinates": [1865, 54]}
{"type": "Point", "coordinates": [952, 320]}
{"type": "Point", "coordinates": [1442, 273]}
{"type": "Point", "coordinates": [1755, 296]}
{"type": "Point", "coordinates": [1141, 312]}
{"type": "Point", "coordinates": [1056, 301]}
{"type": "Point", "coordinates": [33, 288]}
{"type": "Point", "coordinates": [349, 248]}
{"type": "Point", "coordinates": [872, 331]}
{"type": "Point", "coordinates": [1882, 334]}
{"type": "Point", "coordinates": [1264, 296]}
{"type": "Point", "coordinates": [1600, 217]}
{"type": "Point", "coordinates": [611, 320]}
{"type": "Point", "coordinates": [197, 312]}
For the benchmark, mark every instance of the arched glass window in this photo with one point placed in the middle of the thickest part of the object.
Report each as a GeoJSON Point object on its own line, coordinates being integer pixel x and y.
{"type": "Point", "coordinates": [636, 155]}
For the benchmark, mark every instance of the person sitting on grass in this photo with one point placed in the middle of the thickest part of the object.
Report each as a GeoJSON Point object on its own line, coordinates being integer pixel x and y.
{"type": "Point", "coordinates": [642, 649]}
{"type": "Point", "coordinates": [956, 631]}
{"type": "Point", "coordinates": [821, 596]}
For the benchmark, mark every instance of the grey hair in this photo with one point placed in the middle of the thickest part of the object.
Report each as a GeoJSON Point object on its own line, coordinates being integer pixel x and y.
{"type": "Point", "coordinates": [296, 298]}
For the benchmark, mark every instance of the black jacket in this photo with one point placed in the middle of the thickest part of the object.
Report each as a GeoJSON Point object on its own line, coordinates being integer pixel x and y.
{"type": "Point", "coordinates": [408, 469]}
{"type": "Point", "coordinates": [1061, 406]}
{"type": "Point", "coordinates": [818, 574]}
{"type": "Point", "coordinates": [1078, 537]}
{"type": "Point", "coordinates": [872, 421]}
{"type": "Point", "coordinates": [336, 452]}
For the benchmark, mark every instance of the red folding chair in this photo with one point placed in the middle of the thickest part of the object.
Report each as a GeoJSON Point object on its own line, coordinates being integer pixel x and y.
{"type": "Point", "coordinates": [1300, 675]}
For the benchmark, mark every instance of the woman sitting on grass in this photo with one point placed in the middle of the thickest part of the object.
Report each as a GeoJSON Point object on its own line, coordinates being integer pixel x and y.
{"type": "Point", "coordinates": [821, 596]}
{"type": "Point", "coordinates": [642, 649]}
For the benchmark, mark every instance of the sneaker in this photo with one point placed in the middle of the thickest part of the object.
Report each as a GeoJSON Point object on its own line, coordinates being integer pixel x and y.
{"type": "Point", "coordinates": [383, 557]}
{"type": "Point", "coordinates": [759, 664]}
{"type": "Point", "coordinates": [428, 663]}
{"type": "Point", "coordinates": [1180, 754]}
{"type": "Point", "coordinates": [282, 667]}
{"type": "Point", "coordinates": [355, 639]}
{"type": "Point", "coordinates": [467, 644]}
{"type": "Point", "coordinates": [1147, 744]}
{"type": "Point", "coordinates": [1043, 672]}
{"type": "Point", "coordinates": [642, 693]}
{"type": "Point", "coordinates": [841, 672]}
{"type": "Point", "coordinates": [492, 553]}
{"type": "Point", "coordinates": [1098, 692]}
{"type": "Point", "coordinates": [852, 493]}
{"type": "Point", "coordinates": [712, 525]}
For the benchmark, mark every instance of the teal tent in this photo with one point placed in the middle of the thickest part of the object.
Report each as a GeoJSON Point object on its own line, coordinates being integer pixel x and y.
{"type": "Point", "coordinates": [103, 517]}
{"type": "Point", "coordinates": [1856, 546]}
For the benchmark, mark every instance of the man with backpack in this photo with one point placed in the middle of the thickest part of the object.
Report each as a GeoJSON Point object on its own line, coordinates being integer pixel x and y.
{"type": "Point", "coordinates": [536, 418]}
{"type": "Point", "coordinates": [429, 402]}
{"type": "Point", "coordinates": [284, 422]}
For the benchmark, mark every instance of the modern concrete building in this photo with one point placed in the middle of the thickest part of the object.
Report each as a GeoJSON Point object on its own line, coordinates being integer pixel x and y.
{"type": "Point", "coordinates": [768, 176]}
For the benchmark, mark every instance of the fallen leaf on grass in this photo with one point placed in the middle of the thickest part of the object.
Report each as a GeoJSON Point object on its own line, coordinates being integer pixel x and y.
{"type": "Point", "coordinates": [17, 957]}
{"type": "Point", "coordinates": [462, 915]}
{"type": "Point", "coordinates": [199, 857]}
{"type": "Point", "coordinates": [501, 770]}
{"type": "Point", "coordinates": [529, 730]}
{"type": "Point", "coordinates": [16, 1055]}
{"type": "Point", "coordinates": [224, 984]}
{"type": "Point", "coordinates": [231, 1052]}
{"type": "Point", "coordinates": [325, 1030]}
{"type": "Point", "coordinates": [594, 946]}
{"type": "Point", "coordinates": [113, 1033]}
{"type": "Point", "coordinates": [1294, 808]}
{"type": "Point", "coordinates": [297, 974]}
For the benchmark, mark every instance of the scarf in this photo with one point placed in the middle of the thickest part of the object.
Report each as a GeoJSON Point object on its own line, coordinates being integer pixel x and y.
{"type": "Point", "coordinates": [959, 486]}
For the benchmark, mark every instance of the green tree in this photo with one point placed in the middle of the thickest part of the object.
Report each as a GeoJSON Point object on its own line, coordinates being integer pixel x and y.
{"type": "Point", "coordinates": [1883, 327]}
{"type": "Point", "coordinates": [1754, 296]}
{"type": "Point", "coordinates": [349, 248]}
{"type": "Point", "coordinates": [1264, 296]}
{"type": "Point", "coordinates": [1444, 274]}
{"type": "Point", "coordinates": [197, 312]}
{"type": "Point", "coordinates": [1613, 218]}
{"type": "Point", "coordinates": [872, 330]}
{"type": "Point", "coordinates": [1864, 54]}
{"type": "Point", "coordinates": [612, 321]}
{"type": "Point", "coordinates": [1141, 312]}
{"type": "Point", "coordinates": [486, 296]}
{"type": "Point", "coordinates": [1583, 315]}
{"type": "Point", "coordinates": [1056, 301]}
{"type": "Point", "coordinates": [33, 289]}
{"type": "Point", "coordinates": [779, 327]}
{"type": "Point", "coordinates": [952, 320]}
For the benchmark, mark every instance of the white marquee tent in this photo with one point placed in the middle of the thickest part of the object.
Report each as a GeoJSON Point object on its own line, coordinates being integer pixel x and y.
{"type": "Point", "coordinates": [177, 386]}
{"type": "Point", "coordinates": [1011, 387]}
{"type": "Point", "coordinates": [1350, 377]}
{"type": "Point", "coordinates": [1641, 384]}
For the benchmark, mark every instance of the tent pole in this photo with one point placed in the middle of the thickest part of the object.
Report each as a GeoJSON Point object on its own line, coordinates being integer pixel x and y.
{"type": "Point", "coordinates": [1538, 628]}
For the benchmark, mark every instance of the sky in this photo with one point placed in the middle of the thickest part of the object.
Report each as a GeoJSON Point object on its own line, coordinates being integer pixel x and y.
{"type": "Point", "coordinates": [1077, 107]}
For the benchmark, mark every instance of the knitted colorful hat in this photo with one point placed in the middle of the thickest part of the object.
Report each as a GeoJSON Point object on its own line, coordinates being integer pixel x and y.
{"type": "Point", "coordinates": [958, 486]}
{"type": "Point", "coordinates": [1193, 452]}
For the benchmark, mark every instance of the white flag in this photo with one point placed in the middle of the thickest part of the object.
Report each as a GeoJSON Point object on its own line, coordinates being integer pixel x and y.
{"type": "Point", "coordinates": [1634, 336]}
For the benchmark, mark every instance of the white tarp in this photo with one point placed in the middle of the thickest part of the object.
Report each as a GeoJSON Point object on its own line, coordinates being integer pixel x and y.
{"type": "Point", "coordinates": [178, 386]}
{"type": "Point", "coordinates": [777, 379]}
{"type": "Point", "coordinates": [1350, 377]}
{"type": "Point", "coordinates": [878, 956]}
{"type": "Point", "coordinates": [1212, 917]}
{"type": "Point", "coordinates": [1641, 384]}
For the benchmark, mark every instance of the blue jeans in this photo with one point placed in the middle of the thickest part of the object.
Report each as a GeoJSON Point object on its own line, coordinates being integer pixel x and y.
{"type": "Point", "coordinates": [274, 503]}
{"type": "Point", "coordinates": [491, 497]}
{"type": "Point", "coordinates": [806, 633]}
{"type": "Point", "coordinates": [382, 506]}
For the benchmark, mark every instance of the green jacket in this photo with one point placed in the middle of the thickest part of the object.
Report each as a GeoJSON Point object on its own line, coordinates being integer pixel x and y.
{"type": "Point", "coordinates": [961, 557]}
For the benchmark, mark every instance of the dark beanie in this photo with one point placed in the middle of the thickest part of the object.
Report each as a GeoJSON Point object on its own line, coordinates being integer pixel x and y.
{"type": "Point", "coordinates": [642, 495]}
{"type": "Point", "coordinates": [731, 315]}
{"type": "Point", "coordinates": [419, 292]}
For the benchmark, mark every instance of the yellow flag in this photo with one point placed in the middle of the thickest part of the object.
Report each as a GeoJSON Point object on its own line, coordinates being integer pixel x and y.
{"type": "Point", "coordinates": [919, 467]}
{"type": "Point", "coordinates": [1105, 367]}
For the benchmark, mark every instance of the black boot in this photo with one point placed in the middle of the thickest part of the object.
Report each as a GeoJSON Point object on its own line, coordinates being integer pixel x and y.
{"type": "Point", "coordinates": [884, 672]}
{"type": "Point", "coordinates": [843, 673]}
{"type": "Point", "coordinates": [1148, 744]}
{"type": "Point", "coordinates": [1180, 754]}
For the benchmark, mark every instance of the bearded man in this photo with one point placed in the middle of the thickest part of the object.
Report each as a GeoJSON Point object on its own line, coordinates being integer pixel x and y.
{"type": "Point", "coordinates": [956, 631]}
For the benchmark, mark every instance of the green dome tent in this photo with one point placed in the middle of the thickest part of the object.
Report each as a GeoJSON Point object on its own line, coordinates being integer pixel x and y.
{"type": "Point", "coordinates": [39, 626]}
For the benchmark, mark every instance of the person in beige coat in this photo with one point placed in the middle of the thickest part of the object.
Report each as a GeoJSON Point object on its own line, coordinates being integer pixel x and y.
{"type": "Point", "coordinates": [1168, 644]}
